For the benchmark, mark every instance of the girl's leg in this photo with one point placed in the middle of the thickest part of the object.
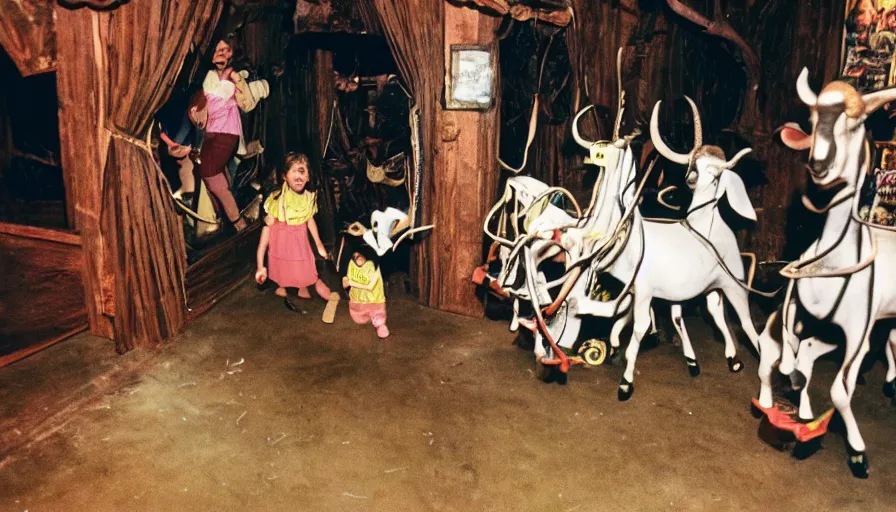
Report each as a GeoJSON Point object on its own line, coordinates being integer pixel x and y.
{"type": "Point", "coordinates": [280, 292]}
{"type": "Point", "coordinates": [359, 316]}
{"type": "Point", "coordinates": [378, 319]}
{"type": "Point", "coordinates": [185, 172]}
{"type": "Point", "coordinates": [304, 293]}
{"type": "Point", "coordinates": [322, 289]}
{"type": "Point", "coordinates": [218, 187]}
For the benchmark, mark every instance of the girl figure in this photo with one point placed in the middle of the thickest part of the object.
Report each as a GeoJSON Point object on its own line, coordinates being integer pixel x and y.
{"type": "Point", "coordinates": [288, 221]}
{"type": "Point", "coordinates": [367, 301]}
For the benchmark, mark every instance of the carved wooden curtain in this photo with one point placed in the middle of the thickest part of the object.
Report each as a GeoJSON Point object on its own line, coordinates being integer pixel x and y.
{"type": "Point", "coordinates": [28, 34]}
{"type": "Point", "coordinates": [413, 29]}
{"type": "Point", "coordinates": [147, 44]}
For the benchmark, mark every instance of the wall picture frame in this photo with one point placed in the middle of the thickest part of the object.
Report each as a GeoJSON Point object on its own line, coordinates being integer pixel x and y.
{"type": "Point", "coordinates": [470, 77]}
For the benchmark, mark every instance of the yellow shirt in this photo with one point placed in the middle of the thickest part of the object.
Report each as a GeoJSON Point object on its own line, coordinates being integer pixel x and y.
{"type": "Point", "coordinates": [292, 208]}
{"type": "Point", "coordinates": [366, 274]}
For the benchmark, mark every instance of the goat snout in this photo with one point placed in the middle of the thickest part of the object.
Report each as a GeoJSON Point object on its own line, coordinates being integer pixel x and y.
{"type": "Point", "coordinates": [817, 168]}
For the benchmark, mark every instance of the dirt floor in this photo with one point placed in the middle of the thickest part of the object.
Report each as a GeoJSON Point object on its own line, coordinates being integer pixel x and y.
{"type": "Point", "coordinates": [444, 415]}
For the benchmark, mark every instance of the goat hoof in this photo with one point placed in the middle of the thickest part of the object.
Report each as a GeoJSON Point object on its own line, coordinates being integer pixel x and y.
{"type": "Point", "coordinates": [693, 367]}
{"type": "Point", "coordinates": [625, 391]}
{"type": "Point", "coordinates": [797, 380]}
{"type": "Point", "coordinates": [735, 365]}
{"type": "Point", "coordinates": [890, 388]}
{"type": "Point", "coordinates": [858, 463]}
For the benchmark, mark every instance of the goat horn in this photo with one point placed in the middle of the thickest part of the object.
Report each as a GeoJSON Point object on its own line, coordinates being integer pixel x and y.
{"type": "Point", "coordinates": [731, 163]}
{"type": "Point", "coordinates": [877, 99]}
{"type": "Point", "coordinates": [698, 124]}
{"type": "Point", "coordinates": [661, 146]}
{"type": "Point", "coordinates": [575, 129]}
{"type": "Point", "coordinates": [807, 95]}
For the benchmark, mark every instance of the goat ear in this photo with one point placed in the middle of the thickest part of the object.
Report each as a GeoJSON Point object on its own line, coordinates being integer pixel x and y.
{"type": "Point", "coordinates": [731, 185]}
{"type": "Point", "coordinates": [794, 137]}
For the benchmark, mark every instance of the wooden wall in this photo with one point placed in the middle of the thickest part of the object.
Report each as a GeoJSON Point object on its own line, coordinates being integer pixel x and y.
{"type": "Point", "coordinates": [668, 57]}
{"type": "Point", "coordinates": [463, 184]}
{"type": "Point", "coordinates": [41, 295]}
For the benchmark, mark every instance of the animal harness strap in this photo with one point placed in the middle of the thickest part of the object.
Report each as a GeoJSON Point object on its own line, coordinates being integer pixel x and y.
{"type": "Point", "coordinates": [718, 257]}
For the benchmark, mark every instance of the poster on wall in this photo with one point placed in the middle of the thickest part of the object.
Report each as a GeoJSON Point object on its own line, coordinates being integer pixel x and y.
{"type": "Point", "coordinates": [870, 44]}
{"type": "Point", "coordinates": [470, 82]}
{"type": "Point", "coordinates": [869, 63]}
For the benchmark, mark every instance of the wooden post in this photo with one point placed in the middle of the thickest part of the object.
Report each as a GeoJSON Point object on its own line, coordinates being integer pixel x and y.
{"type": "Point", "coordinates": [463, 183]}
{"type": "Point", "coordinates": [84, 143]}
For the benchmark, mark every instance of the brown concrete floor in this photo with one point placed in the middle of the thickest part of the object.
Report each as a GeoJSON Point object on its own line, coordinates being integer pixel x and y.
{"type": "Point", "coordinates": [445, 415]}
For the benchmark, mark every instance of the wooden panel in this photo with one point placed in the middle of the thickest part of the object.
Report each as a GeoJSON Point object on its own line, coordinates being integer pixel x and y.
{"type": "Point", "coordinates": [41, 293]}
{"type": "Point", "coordinates": [84, 143]}
{"type": "Point", "coordinates": [464, 181]}
{"type": "Point", "coordinates": [221, 270]}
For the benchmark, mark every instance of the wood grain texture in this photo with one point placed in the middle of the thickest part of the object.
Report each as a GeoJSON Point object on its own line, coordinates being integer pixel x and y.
{"type": "Point", "coordinates": [463, 182]}
{"type": "Point", "coordinates": [28, 34]}
{"type": "Point", "coordinates": [221, 270]}
{"type": "Point", "coordinates": [41, 293]}
{"type": "Point", "coordinates": [667, 57]}
{"type": "Point", "coordinates": [84, 142]}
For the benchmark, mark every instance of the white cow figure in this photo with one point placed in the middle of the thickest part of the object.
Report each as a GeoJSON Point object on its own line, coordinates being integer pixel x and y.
{"type": "Point", "coordinates": [845, 278]}
{"type": "Point", "coordinates": [673, 262]}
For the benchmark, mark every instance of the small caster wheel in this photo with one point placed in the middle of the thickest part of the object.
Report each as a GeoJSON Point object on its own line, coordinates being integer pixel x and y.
{"type": "Point", "coordinates": [595, 352]}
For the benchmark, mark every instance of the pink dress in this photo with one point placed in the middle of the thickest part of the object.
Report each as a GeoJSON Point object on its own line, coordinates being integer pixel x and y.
{"type": "Point", "coordinates": [290, 257]}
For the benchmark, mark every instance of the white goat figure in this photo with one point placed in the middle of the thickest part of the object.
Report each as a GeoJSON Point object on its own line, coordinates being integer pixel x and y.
{"type": "Point", "coordinates": [845, 277]}
{"type": "Point", "coordinates": [708, 226]}
{"type": "Point", "coordinates": [594, 233]}
{"type": "Point", "coordinates": [654, 254]}
{"type": "Point", "coordinates": [581, 236]}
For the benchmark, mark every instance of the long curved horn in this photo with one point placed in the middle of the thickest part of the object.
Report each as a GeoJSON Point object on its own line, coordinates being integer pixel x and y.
{"type": "Point", "coordinates": [877, 99]}
{"type": "Point", "coordinates": [807, 95]}
{"type": "Point", "coordinates": [698, 125]}
{"type": "Point", "coordinates": [657, 139]}
{"type": "Point", "coordinates": [731, 163]}
{"type": "Point", "coordinates": [575, 129]}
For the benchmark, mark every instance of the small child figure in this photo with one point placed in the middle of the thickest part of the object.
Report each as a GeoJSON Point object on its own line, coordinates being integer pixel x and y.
{"type": "Point", "coordinates": [367, 301]}
{"type": "Point", "coordinates": [289, 220]}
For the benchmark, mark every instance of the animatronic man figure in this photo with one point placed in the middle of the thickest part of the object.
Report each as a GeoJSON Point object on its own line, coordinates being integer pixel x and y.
{"type": "Point", "coordinates": [226, 93]}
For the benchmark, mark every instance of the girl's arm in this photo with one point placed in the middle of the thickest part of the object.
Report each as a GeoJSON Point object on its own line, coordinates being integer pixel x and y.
{"type": "Point", "coordinates": [367, 287]}
{"type": "Point", "coordinates": [312, 227]}
{"type": "Point", "coordinates": [261, 272]}
{"type": "Point", "coordinates": [167, 140]}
